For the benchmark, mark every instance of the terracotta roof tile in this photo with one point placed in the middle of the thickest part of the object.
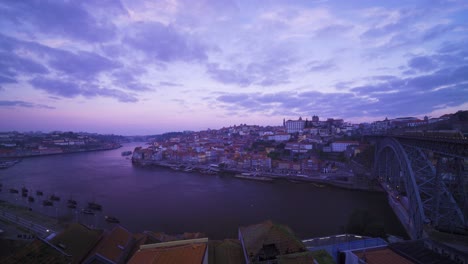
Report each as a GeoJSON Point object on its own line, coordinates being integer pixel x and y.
{"type": "Point", "coordinates": [78, 241]}
{"type": "Point", "coordinates": [382, 256]}
{"type": "Point", "coordinates": [116, 245]}
{"type": "Point", "coordinates": [180, 254]}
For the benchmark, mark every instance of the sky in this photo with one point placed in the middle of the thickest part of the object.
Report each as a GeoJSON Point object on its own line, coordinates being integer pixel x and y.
{"type": "Point", "coordinates": [135, 67]}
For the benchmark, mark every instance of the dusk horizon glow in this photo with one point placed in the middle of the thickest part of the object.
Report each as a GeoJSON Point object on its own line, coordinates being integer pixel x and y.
{"type": "Point", "coordinates": [149, 67]}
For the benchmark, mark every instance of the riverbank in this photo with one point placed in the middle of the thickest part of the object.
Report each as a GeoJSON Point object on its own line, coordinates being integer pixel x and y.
{"type": "Point", "coordinates": [32, 155]}
{"type": "Point", "coordinates": [340, 180]}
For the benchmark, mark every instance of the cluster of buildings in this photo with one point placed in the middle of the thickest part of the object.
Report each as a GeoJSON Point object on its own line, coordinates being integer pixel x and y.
{"type": "Point", "coordinates": [15, 144]}
{"type": "Point", "coordinates": [263, 243]}
{"type": "Point", "coordinates": [295, 146]}
{"type": "Point", "coordinates": [384, 126]}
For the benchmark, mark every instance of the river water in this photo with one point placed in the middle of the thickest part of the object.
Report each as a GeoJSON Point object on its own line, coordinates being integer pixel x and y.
{"type": "Point", "coordinates": [160, 199]}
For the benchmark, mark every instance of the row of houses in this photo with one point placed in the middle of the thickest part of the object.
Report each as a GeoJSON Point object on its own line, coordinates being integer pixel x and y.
{"type": "Point", "coordinates": [266, 242]}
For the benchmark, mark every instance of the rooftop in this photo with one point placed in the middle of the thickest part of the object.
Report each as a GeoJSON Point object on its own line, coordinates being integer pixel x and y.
{"type": "Point", "coordinates": [115, 246]}
{"type": "Point", "coordinates": [175, 252]}
{"type": "Point", "coordinates": [257, 237]}
{"type": "Point", "coordinates": [228, 251]}
{"type": "Point", "coordinates": [77, 240]}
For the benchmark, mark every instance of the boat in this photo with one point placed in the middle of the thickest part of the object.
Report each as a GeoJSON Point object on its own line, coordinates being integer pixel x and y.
{"type": "Point", "coordinates": [47, 203]}
{"type": "Point", "coordinates": [72, 206]}
{"type": "Point", "coordinates": [94, 206]}
{"type": "Point", "coordinates": [24, 190]}
{"type": "Point", "coordinates": [8, 163]}
{"type": "Point", "coordinates": [39, 193]}
{"type": "Point", "coordinates": [111, 219]}
{"type": "Point", "coordinates": [318, 185]}
{"type": "Point", "coordinates": [24, 194]}
{"type": "Point", "coordinates": [176, 167]}
{"type": "Point", "coordinates": [250, 176]}
{"type": "Point", "coordinates": [54, 198]}
{"type": "Point", "coordinates": [12, 190]}
{"type": "Point", "coordinates": [30, 199]}
{"type": "Point", "coordinates": [71, 201]}
{"type": "Point", "coordinates": [126, 153]}
{"type": "Point", "coordinates": [87, 211]}
{"type": "Point", "coordinates": [188, 169]}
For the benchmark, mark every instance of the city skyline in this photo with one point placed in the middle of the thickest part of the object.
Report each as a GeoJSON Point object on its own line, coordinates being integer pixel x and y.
{"type": "Point", "coordinates": [145, 67]}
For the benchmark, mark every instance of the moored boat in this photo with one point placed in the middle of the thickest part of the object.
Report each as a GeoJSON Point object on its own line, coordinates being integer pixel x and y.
{"type": "Point", "coordinates": [87, 211]}
{"type": "Point", "coordinates": [47, 203]}
{"type": "Point", "coordinates": [39, 193]}
{"type": "Point", "coordinates": [54, 197]}
{"type": "Point", "coordinates": [30, 199]}
{"type": "Point", "coordinates": [13, 190]}
{"type": "Point", "coordinates": [94, 206]}
{"type": "Point", "coordinates": [250, 176]}
{"type": "Point", "coordinates": [112, 219]}
{"type": "Point", "coordinates": [126, 153]}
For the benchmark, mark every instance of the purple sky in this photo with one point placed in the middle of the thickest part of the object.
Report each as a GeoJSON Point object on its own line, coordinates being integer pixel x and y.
{"type": "Point", "coordinates": [145, 67]}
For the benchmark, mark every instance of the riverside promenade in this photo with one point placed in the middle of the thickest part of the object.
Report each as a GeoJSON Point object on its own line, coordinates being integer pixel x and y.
{"type": "Point", "coordinates": [18, 222]}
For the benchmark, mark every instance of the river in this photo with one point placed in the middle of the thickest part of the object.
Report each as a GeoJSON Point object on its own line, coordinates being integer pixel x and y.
{"type": "Point", "coordinates": [163, 200]}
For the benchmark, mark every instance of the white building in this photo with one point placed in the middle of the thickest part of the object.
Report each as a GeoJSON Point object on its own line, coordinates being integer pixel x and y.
{"type": "Point", "coordinates": [293, 126]}
{"type": "Point", "coordinates": [279, 137]}
{"type": "Point", "coordinates": [340, 146]}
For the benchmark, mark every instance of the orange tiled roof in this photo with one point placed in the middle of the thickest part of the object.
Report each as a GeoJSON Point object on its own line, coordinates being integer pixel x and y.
{"type": "Point", "coordinates": [78, 240]}
{"type": "Point", "coordinates": [115, 246]}
{"type": "Point", "coordinates": [182, 254]}
{"type": "Point", "coordinates": [382, 256]}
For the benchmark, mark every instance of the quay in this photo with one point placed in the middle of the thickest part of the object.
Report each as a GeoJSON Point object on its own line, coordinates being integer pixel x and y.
{"type": "Point", "coordinates": [340, 180]}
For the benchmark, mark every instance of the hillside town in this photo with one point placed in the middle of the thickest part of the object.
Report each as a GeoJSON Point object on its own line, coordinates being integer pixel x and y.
{"type": "Point", "coordinates": [330, 150]}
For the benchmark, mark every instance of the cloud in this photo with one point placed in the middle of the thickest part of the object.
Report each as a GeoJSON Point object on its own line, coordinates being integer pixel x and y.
{"type": "Point", "coordinates": [128, 78]}
{"type": "Point", "coordinates": [422, 63]}
{"type": "Point", "coordinates": [268, 71]}
{"type": "Point", "coordinates": [437, 31]}
{"type": "Point", "coordinates": [382, 95]}
{"type": "Point", "coordinates": [170, 84]}
{"type": "Point", "coordinates": [315, 65]}
{"type": "Point", "coordinates": [4, 103]}
{"type": "Point", "coordinates": [12, 64]}
{"type": "Point", "coordinates": [64, 18]}
{"type": "Point", "coordinates": [72, 89]}
{"type": "Point", "coordinates": [5, 79]}
{"type": "Point", "coordinates": [79, 72]}
{"type": "Point", "coordinates": [82, 64]}
{"type": "Point", "coordinates": [165, 43]}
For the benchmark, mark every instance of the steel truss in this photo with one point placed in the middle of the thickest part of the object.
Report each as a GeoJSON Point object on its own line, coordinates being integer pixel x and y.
{"type": "Point", "coordinates": [406, 170]}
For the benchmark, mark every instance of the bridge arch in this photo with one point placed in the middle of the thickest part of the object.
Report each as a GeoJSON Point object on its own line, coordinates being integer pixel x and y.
{"type": "Point", "coordinates": [393, 169]}
{"type": "Point", "coordinates": [413, 183]}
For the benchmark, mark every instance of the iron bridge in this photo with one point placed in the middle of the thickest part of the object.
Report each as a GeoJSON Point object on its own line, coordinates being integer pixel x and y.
{"type": "Point", "coordinates": [426, 180]}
